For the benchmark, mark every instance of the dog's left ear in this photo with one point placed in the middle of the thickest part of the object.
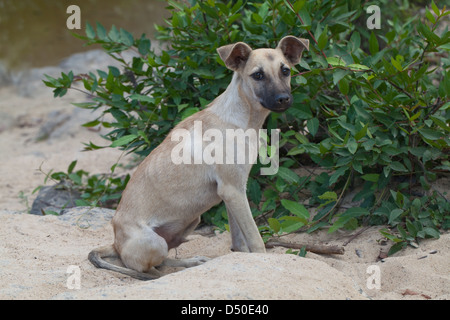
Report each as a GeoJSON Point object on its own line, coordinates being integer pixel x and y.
{"type": "Point", "coordinates": [235, 55]}
{"type": "Point", "coordinates": [292, 48]}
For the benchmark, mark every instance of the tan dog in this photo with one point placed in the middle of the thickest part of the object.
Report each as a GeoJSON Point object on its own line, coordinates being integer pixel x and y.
{"type": "Point", "coordinates": [163, 201]}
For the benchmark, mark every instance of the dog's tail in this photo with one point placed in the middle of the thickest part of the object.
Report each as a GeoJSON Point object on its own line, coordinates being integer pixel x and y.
{"type": "Point", "coordinates": [96, 257]}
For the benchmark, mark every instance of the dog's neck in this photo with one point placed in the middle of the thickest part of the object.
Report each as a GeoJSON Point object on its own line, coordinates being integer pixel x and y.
{"type": "Point", "coordinates": [235, 107]}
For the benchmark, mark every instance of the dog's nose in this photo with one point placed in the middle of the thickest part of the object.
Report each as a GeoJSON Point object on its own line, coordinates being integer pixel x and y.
{"type": "Point", "coordinates": [283, 100]}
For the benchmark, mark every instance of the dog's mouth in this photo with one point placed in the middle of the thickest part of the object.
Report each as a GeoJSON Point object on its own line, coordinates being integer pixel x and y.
{"type": "Point", "coordinates": [276, 107]}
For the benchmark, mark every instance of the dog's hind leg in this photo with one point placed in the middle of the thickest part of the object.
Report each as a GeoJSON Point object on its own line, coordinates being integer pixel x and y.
{"type": "Point", "coordinates": [181, 237]}
{"type": "Point", "coordinates": [143, 250]}
{"type": "Point", "coordinates": [97, 258]}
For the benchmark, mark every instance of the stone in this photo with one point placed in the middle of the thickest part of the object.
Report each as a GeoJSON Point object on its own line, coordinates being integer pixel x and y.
{"type": "Point", "coordinates": [54, 199]}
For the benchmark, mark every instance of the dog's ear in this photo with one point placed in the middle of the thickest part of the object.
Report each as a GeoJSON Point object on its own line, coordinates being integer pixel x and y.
{"type": "Point", "coordinates": [235, 55]}
{"type": "Point", "coordinates": [292, 48]}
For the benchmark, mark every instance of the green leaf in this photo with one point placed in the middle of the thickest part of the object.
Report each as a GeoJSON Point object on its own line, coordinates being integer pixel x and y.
{"type": "Point", "coordinates": [352, 145]}
{"type": "Point", "coordinates": [257, 18]}
{"type": "Point", "coordinates": [348, 215]}
{"type": "Point", "coordinates": [411, 228]}
{"type": "Point", "coordinates": [394, 215]}
{"type": "Point", "coordinates": [336, 61]}
{"type": "Point", "coordinates": [339, 74]}
{"type": "Point", "coordinates": [390, 236]}
{"type": "Point", "coordinates": [254, 191]}
{"type": "Point", "coordinates": [90, 33]}
{"type": "Point", "coordinates": [295, 208]}
{"type": "Point", "coordinates": [440, 121]}
{"type": "Point", "coordinates": [76, 178]}
{"type": "Point", "coordinates": [274, 224]}
{"type": "Point", "coordinates": [101, 32]}
{"type": "Point", "coordinates": [71, 167]}
{"type": "Point", "coordinates": [329, 196]}
{"type": "Point", "coordinates": [373, 44]}
{"type": "Point", "coordinates": [339, 172]}
{"type": "Point", "coordinates": [126, 38]}
{"type": "Point", "coordinates": [144, 46]}
{"type": "Point", "coordinates": [165, 58]}
{"type": "Point", "coordinates": [323, 38]}
{"type": "Point", "coordinates": [189, 112]}
{"type": "Point", "coordinates": [142, 98]}
{"type": "Point", "coordinates": [291, 225]}
{"type": "Point", "coordinates": [84, 105]}
{"type": "Point", "coordinates": [397, 166]}
{"type": "Point", "coordinates": [296, 5]}
{"type": "Point", "coordinates": [356, 66]}
{"type": "Point", "coordinates": [114, 34]}
{"type": "Point", "coordinates": [430, 134]}
{"type": "Point", "coordinates": [429, 35]}
{"type": "Point", "coordinates": [344, 86]}
{"type": "Point", "coordinates": [435, 8]}
{"type": "Point", "coordinates": [355, 41]}
{"type": "Point", "coordinates": [431, 232]}
{"type": "Point", "coordinates": [288, 175]}
{"type": "Point", "coordinates": [430, 16]}
{"type": "Point", "coordinates": [361, 133]}
{"type": "Point", "coordinates": [312, 125]}
{"type": "Point", "coordinates": [396, 247]}
{"type": "Point", "coordinates": [124, 140]}
{"type": "Point", "coordinates": [396, 64]}
{"type": "Point", "coordinates": [372, 177]}
{"type": "Point", "coordinates": [91, 124]}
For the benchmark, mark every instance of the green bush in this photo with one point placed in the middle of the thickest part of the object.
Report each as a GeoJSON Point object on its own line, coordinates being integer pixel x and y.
{"type": "Point", "coordinates": [370, 106]}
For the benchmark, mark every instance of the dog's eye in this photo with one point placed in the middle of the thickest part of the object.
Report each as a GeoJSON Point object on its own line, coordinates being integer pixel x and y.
{"type": "Point", "coordinates": [258, 75]}
{"type": "Point", "coordinates": [285, 71]}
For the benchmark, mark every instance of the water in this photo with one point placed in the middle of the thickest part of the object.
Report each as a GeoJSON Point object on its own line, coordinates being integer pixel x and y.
{"type": "Point", "coordinates": [33, 33]}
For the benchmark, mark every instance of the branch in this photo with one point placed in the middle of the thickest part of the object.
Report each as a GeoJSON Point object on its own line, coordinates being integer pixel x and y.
{"type": "Point", "coordinates": [315, 248]}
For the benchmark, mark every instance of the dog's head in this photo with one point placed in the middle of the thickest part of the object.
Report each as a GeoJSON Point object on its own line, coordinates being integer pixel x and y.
{"type": "Point", "coordinates": [266, 73]}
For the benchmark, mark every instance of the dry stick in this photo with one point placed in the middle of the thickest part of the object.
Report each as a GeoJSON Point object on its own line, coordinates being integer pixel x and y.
{"type": "Point", "coordinates": [355, 235]}
{"type": "Point", "coordinates": [315, 248]}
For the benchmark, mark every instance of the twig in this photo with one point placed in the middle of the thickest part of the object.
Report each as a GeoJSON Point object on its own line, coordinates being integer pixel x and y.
{"type": "Point", "coordinates": [315, 248]}
{"type": "Point", "coordinates": [355, 236]}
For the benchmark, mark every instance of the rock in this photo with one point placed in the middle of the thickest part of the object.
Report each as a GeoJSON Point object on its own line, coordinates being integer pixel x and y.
{"type": "Point", "coordinates": [55, 119]}
{"type": "Point", "coordinates": [59, 124]}
{"type": "Point", "coordinates": [54, 198]}
{"type": "Point", "coordinates": [7, 121]}
{"type": "Point", "coordinates": [29, 82]}
{"type": "Point", "coordinates": [88, 61]}
{"type": "Point", "coordinates": [87, 217]}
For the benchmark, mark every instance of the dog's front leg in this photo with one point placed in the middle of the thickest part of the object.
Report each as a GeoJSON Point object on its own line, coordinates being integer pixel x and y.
{"type": "Point", "coordinates": [244, 232]}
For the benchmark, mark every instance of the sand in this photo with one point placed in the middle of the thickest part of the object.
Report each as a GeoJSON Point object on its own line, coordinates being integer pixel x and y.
{"type": "Point", "coordinates": [36, 252]}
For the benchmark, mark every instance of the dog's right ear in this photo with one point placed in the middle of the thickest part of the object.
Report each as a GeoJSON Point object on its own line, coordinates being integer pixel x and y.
{"type": "Point", "coordinates": [235, 55]}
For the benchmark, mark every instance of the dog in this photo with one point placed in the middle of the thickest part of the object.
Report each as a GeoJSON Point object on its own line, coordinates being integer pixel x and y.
{"type": "Point", "coordinates": [163, 201]}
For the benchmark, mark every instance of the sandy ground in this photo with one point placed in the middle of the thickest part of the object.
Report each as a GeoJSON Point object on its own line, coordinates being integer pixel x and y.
{"type": "Point", "coordinates": [36, 252]}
